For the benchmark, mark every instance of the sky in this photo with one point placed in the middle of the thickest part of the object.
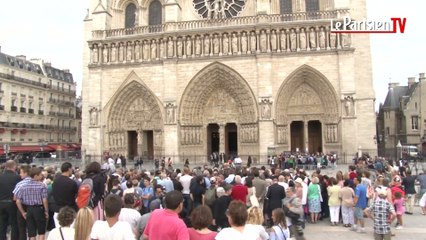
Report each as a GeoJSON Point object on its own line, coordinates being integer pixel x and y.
{"type": "Point", "coordinates": [53, 30]}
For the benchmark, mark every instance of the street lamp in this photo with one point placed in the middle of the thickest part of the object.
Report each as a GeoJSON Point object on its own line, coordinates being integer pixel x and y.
{"type": "Point", "coordinates": [42, 144]}
{"type": "Point", "coordinates": [398, 151]}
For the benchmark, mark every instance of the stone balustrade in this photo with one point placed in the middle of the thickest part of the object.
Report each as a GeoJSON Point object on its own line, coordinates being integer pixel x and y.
{"type": "Point", "coordinates": [312, 37]}
{"type": "Point", "coordinates": [224, 22]}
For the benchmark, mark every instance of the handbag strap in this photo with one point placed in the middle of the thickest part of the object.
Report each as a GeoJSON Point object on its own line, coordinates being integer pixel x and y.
{"type": "Point", "coordinates": [60, 231]}
{"type": "Point", "coordinates": [282, 232]}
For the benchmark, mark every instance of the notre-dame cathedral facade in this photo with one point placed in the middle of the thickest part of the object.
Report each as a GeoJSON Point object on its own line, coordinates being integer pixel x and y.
{"type": "Point", "coordinates": [186, 78]}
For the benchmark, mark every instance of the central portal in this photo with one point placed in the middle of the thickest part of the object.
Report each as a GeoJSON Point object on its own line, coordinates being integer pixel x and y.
{"type": "Point", "coordinates": [297, 138]}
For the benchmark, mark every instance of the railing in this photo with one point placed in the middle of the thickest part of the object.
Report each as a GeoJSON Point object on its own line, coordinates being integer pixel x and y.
{"type": "Point", "coordinates": [60, 102]}
{"type": "Point", "coordinates": [2, 107]}
{"type": "Point", "coordinates": [31, 111]}
{"type": "Point", "coordinates": [40, 112]}
{"type": "Point", "coordinates": [13, 108]}
{"type": "Point", "coordinates": [60, 89]}
{"type": "Point", "coordinates": [52, 113]}
{"type": "Point", "coordinates": [23, 80]}
{"type": "Point", "coordinates": [226, 22]}
{"type": "Point", "coordinates": [23, 110]}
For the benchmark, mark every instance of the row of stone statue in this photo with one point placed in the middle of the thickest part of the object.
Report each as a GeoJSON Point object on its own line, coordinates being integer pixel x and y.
{"type": "Point", "coordinates": [191, 136]}
{"type": "Point", "coordinates": [331, 133]}
{"type": "Point", "coordinates": [116, 139]}
{"type": "Point", "coordinates": [248, 133]}
{"type": "Point", "coordinates": [277, 40]}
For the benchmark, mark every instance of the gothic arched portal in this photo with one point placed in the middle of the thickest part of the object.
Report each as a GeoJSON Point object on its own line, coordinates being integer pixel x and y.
{"type": "Point", "coordinates": [135, 123]}
{"type": "Point", "coordinates": [218, 113]}
{"type": "Point", "coordinates": [307, 111]}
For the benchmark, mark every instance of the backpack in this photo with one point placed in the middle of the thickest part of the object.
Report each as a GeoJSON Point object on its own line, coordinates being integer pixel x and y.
{"type": "Point", "coordinates": [85, 194]}
{"type": "Point", "coordinates": [210, 196]}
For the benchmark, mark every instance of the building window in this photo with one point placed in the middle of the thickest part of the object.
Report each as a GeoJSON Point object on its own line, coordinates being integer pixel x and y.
{"type": "Point", "coordinates": [285, 6]}
{"type": "Point", "coordinates": [13, 103]}
{"type": "Point", "coordinates": [130, 20]}
{"type": "Point", "coordinates": [312, 5]}
{"type": "Point", "coordinates": [415, 123]}
{"type": "Point", "coordinates": [387, 131]}
{"type": "Point", "coordinates": [155, 16]}
{"type": "Point", "coordinates": [415, 105]}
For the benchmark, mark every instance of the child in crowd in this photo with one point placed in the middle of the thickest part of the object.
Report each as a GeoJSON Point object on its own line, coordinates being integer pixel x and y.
{"type": "Point", "coordinates": [399, 208]}
{"type": "Point", "coordinates": [422, 204]}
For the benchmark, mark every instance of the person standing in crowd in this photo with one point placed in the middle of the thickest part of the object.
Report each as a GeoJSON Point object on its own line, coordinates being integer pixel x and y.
{"type": "Point", "coordinates": [128, 213]}
{"type": "Point", "coordinates": [31, 200]}
{"type": "Point", "coordinates": [275, 196]}
{"type": "Point", "coordinates": [422, 181]}
{"type": "Point", "coordinates": [83, 224]}
{"type": "Point", "coordinates": [185, 180]}
{"type": "Point", "coordinates": [201, 217]}
{"type": "Point", "coordinates": [24, 172]}
{"type": "Point", "coordinates": [143, 220]}
{"type": "Point", "coordinates": [8, 209]}
{"type": "Point", "coordinates": [165, 224]}
{"type": "Point", "coordinates": [314, 199]}
{"type": "Point", "coordinates": [334, 201]}
{"type": "Point", "coordinates": [93, 171]}
{"type": "Point", "coordinates": [410, 192]}
{"type": "Point", "coordinates": [347, 194]}
{"type": "Point", "coordinates": [147, 194]}
{"type": "Point", "coordinates": [197, 191]}
{"type": "Point", "coordinates": [293, 210]}
{"type": "Point", "coordinates": [255, 220]}
{"type": "Point", "coordinates": [398, 202]}
{"type": "Point", "coordinates": [63, 230]}
{"type": "Point", "coordinates": [220, 205]}
{"type": "Point", "coordinates": [64, 191]}
{"type": "Point", "coordinates": [260, 186]}
{"type": "Point", "coordinates": [237, 216]}
{"type": "Point", "coordinates": [360, 202]}
{"type": "Point", "coordinates": [382, 212]}
{"type": "Point", "coordinates": [279, 231]}
{"type": "Point", "coordinates": [112, 228]}
{"type": "Point", "coordinates": [239, 191]}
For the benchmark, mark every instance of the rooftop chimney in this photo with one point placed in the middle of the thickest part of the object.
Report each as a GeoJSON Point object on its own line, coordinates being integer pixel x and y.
{"type": "Point", "coordinates": [47, 64]}
{"type": "Point", "coordinates": [22, 57]}
{"type": "Point", "coordinates": [411, 81]}
{"type": "Point", "coordinates": [393, 85]}
{"type": "Point", "coordinates": [421, 76]}
{"type": "Point", "coordinates": [66, 70]}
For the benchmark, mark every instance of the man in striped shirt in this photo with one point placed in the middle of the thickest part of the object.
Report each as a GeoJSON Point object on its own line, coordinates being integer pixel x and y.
{"type": "Point", "coordinates": [31, 200]}
{"type": "Point", "coordinates": [24, 172]}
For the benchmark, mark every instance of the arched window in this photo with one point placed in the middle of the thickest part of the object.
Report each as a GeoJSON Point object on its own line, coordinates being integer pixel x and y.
{"type": "Point", "coordinates": [155, 16]}
{"type": "Point", "coordinates": [285, 7]}
{"type": "Point", "coordinates": [312, 5]}
{"type": "Point", "coordinates": [130, 20]}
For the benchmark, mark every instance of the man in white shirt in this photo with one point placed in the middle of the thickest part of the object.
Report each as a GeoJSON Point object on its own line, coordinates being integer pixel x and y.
{"type": "Point", "coordinates": [128, 213]}
{"type": "Point", "coordinates": [185, 180]}
{"type": "Point", "coordinates": [112, 228]}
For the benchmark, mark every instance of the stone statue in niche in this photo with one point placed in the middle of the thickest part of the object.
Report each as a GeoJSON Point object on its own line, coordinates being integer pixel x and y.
{"type": "Point", "coordinates": [137, 51]}
{"type": "Point", "coordinates": [349, 106]}
{"type": "Point", "coordinates": [312, 39]}
{"type": "Point", "coordinates": [266, 109]}
{"type": "Point", "coordinates": [216, 45]}
{"type": "Point", "coordinates": [170, 48]}
{"type": "Point", "coordinates": [273, 41]}
{"type": "Point", "coordinates": [170, 115]}
{"type": "Point", "coordinates": [197, 46]}
{"type": "Point", "coordinates": [293, 40]}
{"type": "Point", "coordinates": [105, 54]}
{"type": "Point", "coordinates": [334, 133]}
{"type": "Point", "coordinates": [179, 47]}
{"type": "Point", "coordinates": [93, 116]}
{"type": "Point", "coordinates": [129, 51]}
{"type": "Point", "coordinates": [161, 46]}
{"type": "Point", "coordinates": [302, 37]}
{"type": "Point", "coordinates": [225, 44]}
{"type": "Point", "coordinates": [113, 53]}
{"type": "Point", "coordinates": [145, 51]}
{"type": "Point", "coordinates": [153, 49]}
{"type": "Point", "coordinates": [234, 43]}
{"type": "Point", "coordinates": [253, 42]}
{"type": "Point", "coordinates": [244, 43]}
{"type": "Point", "coordinates": [95, 54]}
{"type": "Point", "coordinates": [121, 52]}
{"type": "Point", "coordinates": [321, 38]}
{"type": "Point", "coordinates": [283, 40]}
{"type": "Point", "coordinates": [206, 45]}
{"type": "Point", "coordinates": [333, 40]}
{"type": "Point", "coordinates": [346, 40]}
{"type": "Point", "coordinates": [263, 46]}
{"type": "Point", "coordinates": [188, 46]}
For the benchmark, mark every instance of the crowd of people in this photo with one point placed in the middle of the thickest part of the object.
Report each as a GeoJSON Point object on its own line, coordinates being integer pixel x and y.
{"type": "Point", "coordinates": [202, 203]}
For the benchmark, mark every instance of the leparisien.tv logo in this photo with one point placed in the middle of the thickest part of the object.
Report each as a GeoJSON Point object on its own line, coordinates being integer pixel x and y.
{"type": "Point", "coordinates": [348, 25]}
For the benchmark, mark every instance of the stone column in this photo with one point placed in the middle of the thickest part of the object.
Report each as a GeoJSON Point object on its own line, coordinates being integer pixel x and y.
{"type": "Point", "coordinates": [305, 136]}
{"type": "Point", "coordinates": [140, 142]}
{"type": "Point", "coordinates": [222, 138]}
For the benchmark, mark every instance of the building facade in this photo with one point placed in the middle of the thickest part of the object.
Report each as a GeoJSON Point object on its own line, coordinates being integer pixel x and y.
{"type": "Point", "coordinates": [37, 103]}
{"type": "Point", "coordinates": [190, 78]}
{"type": "Point", "coordinates": [400, 118]}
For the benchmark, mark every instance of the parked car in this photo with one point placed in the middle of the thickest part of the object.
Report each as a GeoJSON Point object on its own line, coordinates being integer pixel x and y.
{"type": "Point", "coordinates": [41, 156]}
{"type": "Point", "coordinates": [24, 158]}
